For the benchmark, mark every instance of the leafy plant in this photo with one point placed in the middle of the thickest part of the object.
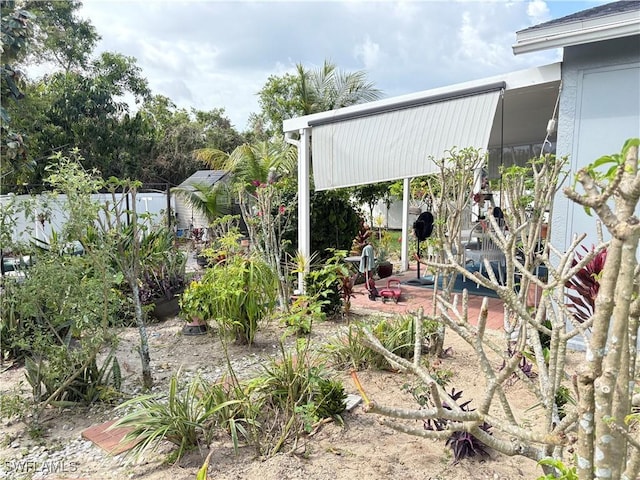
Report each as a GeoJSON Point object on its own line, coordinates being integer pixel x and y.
{"type": "Point", "coordinates": [183, 418]}
{"type": "Point", "coordinates": [163, 266]}
{"type": "Point", "coordinates": [348, 350]}
{"type": "Point", "coordinates": [562, 472]}
{"type": "Point", "coordinates": [302, 313]}
{"type": "Point", "coordinates": [195, 302]}
{"type": "Point", "coordinates": [463, 444]}
{"type": "Point", "coordinates": [241, 292]}
{"type": "Point", "coordinates": [13, 404]}
{"type": "Point", "coordinates": [68, 379]}
{"type": "Point", "coordinates": [298, 387]}
{"type": "Point", "coordinates": [361, 239]}
{"type": "Point", "coordinates": [397, 334]}
{"type": "Point", "coordinates": [331, 284]}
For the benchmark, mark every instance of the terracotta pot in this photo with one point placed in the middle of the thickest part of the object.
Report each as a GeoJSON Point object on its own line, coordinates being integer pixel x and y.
{"type": "Point", "coordinates": [195, 327]}
{"type": "Point", "coordinates": [544, 230]}
{"type": "Point", "coordinates": [534, 295]}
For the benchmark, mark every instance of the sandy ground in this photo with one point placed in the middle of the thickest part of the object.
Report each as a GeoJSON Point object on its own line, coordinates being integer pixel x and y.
{"type": "Point", "coordinates": [362, 448]}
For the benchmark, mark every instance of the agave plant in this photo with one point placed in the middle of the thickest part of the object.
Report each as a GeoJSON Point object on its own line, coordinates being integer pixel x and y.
{"type": "Point", "coordinates": [585, 284]}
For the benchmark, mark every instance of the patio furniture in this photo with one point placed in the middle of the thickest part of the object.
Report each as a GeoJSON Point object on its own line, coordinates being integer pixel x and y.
{"type": "Point", "coordinates": [481, 247]}
{"type": "Point", "coordinates": [392, 291]}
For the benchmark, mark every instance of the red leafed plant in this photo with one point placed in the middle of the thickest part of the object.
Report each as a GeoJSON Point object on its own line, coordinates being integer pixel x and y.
{"type": "Point", "coordinates": [584, 285]}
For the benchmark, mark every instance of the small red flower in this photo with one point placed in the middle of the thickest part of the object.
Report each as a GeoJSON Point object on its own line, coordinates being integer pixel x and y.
{"type": "Point", "coordinates": [282, 209]}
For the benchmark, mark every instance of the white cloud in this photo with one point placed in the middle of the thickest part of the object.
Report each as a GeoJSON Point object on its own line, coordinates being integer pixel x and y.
{"type": "Point", "coordinates": [538, 11]}
{"type": "Point", "coordinates": [218, 54]}
{"type": "Point", "coordinates": [369, 52]}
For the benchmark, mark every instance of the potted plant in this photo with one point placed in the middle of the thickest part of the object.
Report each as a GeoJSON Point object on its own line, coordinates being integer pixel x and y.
{"type": "Point", "coordinates": [237, 293]}
{"type": "Point", "coordinates": [383, 265]}
{"type": "Point", "coordinates": [195, 308]}
{"type": "Point", "coordinates": [163, 274]}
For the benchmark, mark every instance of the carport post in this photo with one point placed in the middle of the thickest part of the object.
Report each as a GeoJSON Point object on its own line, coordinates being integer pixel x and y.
{"type": "Point", "coordinates": [404, 252]}
{"type": "Point", "coordinates": [304, 218]}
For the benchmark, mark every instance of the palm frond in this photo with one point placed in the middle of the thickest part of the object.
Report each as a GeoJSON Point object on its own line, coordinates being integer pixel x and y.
{"type": "Point", "coordinates": [204, 198]}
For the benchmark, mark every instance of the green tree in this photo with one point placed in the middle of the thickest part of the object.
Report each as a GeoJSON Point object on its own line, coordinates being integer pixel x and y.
{"type": "Point", "coordinates": [60, 36]}
{"type": "Point", "coordinates": [328, 88]}
{"type": "Point", "coordinates": [308, 91]}
{"type": "Point", "coordinates": [113, 227]}
{"type": "Point", "coordinates": [86, 110]}
{"type": "Point", "coordinates": [370, 195]}
{"type": "Point", "coordinates": [261, 175]}
{"type": "Point", "coordinates": [177, 133]}
{"type": "Point", "coordinates": [16, 29]}
{"type": "Point", "coordinates": [34, 33]}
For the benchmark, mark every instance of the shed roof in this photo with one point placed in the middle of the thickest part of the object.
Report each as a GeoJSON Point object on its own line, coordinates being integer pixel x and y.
{"type": "Point", "coordinates": [206, 177]}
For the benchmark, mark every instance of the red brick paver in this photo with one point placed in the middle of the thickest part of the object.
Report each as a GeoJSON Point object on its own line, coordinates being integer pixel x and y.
{"type": "Point", "coordinates": [109, 439]}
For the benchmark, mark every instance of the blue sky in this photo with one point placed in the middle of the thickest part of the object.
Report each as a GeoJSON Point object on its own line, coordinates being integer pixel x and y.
{"type": "Point", "coordinates": [219, 54]}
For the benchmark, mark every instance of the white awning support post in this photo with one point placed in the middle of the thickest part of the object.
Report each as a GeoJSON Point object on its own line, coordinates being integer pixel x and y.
{"type": "Point", "coordinates": [404, 252]}
{"type": "Point", "coordinates": [304, 202]}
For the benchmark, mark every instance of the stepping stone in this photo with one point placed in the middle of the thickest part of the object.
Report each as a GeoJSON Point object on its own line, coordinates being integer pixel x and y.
{"type": "Point", "coordinates": [109, 440]}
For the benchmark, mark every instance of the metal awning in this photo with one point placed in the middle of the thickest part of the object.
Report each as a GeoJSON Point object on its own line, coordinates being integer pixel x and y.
{"type": "Point", "coordinates": [395, 144]}
{"type": "Point", "coordinates": [395, 138]}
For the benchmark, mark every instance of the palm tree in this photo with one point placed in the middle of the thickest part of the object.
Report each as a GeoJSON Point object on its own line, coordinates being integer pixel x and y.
{"type": "Point", "coordinates": [251, 163]}
{"type": "Point", "coordinates": [210, 200]}
{"type": "Point", "coordinates": [328, 88]}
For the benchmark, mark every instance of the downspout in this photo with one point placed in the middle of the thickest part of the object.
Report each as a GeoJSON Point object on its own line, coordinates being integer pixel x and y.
{"type": "Point", "coordinates": [304, 219]}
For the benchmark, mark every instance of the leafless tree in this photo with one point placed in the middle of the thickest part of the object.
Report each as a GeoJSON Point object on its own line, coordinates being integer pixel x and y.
{"type": "Point", "coordinates": [599, 427]}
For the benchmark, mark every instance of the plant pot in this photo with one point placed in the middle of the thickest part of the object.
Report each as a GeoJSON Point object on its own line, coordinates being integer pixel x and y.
{"type": "Point", "coordinates": [534, 295]}
{"type": "Point", "coordinates": [195, 327]}
{"type": "Point", "coordinates": [544, 230]}
{"type": "Point", "coordinates": [202, 261]}
{"type": "Point", "coordinates": [165, 308]}
{"type": "Point", "coordinates": [385, 269]}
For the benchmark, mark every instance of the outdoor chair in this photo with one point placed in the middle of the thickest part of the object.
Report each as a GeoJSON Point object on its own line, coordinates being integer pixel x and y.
{"type": "Point", "coordinates": [481, 247]}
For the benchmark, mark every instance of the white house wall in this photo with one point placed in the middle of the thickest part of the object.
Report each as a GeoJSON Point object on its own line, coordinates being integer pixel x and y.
{"type": "Point", "coordinates": [599, 110]}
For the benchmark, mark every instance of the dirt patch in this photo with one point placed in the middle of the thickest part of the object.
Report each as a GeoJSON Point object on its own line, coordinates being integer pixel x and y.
{"type": "Point", "coordinates": [362, 448]}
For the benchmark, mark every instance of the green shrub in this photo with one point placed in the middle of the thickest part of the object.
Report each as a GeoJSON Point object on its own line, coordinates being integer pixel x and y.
{"type": "Point", "coordinates": [302, 313]}
{"type": "Point", "coordinates": [242, 291]}
{"type": "Point", "coordinates": [187, 418]}
{"type": "Point", "coordinates": [397, 334]}
{"type": "Point", "coordinates": [327, 285]}
{"type": "Point", "coordinates": [299, 390]}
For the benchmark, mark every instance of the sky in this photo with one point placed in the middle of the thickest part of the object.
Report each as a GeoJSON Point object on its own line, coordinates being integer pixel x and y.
{"type": "Point", "coordinates": [210, 54]}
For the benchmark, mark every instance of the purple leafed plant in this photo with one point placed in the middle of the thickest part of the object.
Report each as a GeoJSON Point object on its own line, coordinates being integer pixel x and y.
{"type": "Point", "coordinates": [584, 286]}
{"type": "Point", "coordinates": [462, 444]}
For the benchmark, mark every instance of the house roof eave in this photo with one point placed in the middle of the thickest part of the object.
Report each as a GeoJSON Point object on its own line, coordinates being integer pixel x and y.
{"type": "Point", "coordinates": [577, 33]}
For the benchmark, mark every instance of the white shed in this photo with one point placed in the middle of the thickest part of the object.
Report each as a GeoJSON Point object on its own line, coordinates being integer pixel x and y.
{"type": "Point", "coordinates": [186, 216]}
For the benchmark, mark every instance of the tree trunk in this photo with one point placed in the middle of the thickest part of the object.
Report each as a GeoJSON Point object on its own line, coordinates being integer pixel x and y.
{"type": "Point", "coordinates": [143, 350]}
